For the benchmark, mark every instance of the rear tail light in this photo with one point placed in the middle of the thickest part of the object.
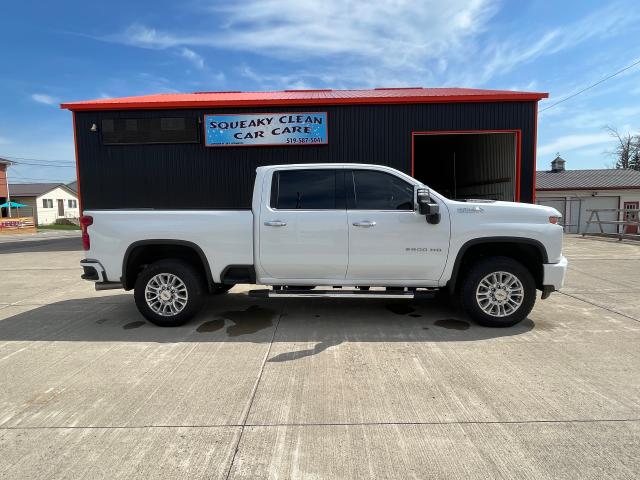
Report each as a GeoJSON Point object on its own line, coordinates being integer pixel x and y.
{"type": "Point", "coordinates": [554, 219]}
{"type": "Point", "coordinates": [85, 221]}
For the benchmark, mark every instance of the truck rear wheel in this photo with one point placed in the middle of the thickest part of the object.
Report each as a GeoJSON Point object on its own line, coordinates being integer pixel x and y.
{"type": "Point", "coordinates": [498, 292]}
{"type": "Point", "coordinates": [169, 292]}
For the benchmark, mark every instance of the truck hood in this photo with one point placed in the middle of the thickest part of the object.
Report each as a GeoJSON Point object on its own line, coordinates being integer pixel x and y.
{"type": "Point", "coordinates": [514, 211]}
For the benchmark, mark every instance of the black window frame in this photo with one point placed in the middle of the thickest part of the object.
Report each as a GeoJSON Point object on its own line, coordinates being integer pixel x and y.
{"type": "Point", "coordinates": [339, 192]}
{"type": "Point", "coordinates": [197, 126]}
{"type": "Point", "coordinates": [350, 191]}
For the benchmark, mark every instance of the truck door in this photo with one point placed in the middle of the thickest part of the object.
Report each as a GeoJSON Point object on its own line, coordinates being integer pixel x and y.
{"type": "Point", "coordinates": [303, 225]}
{"type": "Point", "coordinates": [388, 239]}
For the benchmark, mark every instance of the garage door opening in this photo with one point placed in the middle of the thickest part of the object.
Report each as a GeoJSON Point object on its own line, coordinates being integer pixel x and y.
{"type": "Point", "coordinates": [482, 165]}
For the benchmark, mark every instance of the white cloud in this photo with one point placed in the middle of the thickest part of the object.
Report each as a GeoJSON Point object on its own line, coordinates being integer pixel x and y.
{"type": "Point", "coordinates": [574, 142]}
{"type": "Point", "coordinates": [141, 36]}
{"type": "Point", "coordinates": [501, 56]}
{"type": "Point", "coordinates": [390, 30]}
{"type": "Point", "coordinates": [382, 43]}
{"type": "Point", "coordinates": [589, 117]}
{"type": "Point", "coordinates": [44, 98]}
{"type": "Point", "coordinates": [193, 57]}
{"type": "Point", "coordinates": [368, 43]}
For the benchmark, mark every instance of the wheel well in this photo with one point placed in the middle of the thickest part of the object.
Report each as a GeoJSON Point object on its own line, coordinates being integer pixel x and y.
{"type": "Point", "coordinates": [138, 256]}
{"type": "Point", "coordinates": [529, 254]}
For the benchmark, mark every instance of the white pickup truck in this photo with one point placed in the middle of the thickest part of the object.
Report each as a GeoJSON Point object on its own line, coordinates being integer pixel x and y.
{"type": "Point", "coordinates": [359, 230]}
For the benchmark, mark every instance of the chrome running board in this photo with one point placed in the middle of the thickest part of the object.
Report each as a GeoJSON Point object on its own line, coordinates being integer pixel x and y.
{"type": "Point", "coordinates": [291, 293]}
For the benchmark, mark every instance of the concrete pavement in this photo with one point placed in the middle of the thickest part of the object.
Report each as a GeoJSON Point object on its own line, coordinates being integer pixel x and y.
{"type": "Point", "coordinates": [317, 389]}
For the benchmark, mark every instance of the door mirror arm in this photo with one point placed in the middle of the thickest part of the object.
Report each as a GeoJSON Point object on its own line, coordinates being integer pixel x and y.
{"type": "Point", "coordinates": [427, 207]}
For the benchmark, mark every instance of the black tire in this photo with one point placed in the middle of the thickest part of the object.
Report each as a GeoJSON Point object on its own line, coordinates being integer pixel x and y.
{"type": "Point", "coordinates": [485, 267]}
{"type": "Point", "coordinates": [221, 288]}
{"type": "Point", "coordinates": [190, 278]}
{"type": "Point", "coordinates": [444, 297]}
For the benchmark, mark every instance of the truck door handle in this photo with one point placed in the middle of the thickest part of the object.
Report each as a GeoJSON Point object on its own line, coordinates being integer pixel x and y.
{"type": "Point", "coordinates": [275, 223]}
{"type": "Point", "coordinates": [364, 224]}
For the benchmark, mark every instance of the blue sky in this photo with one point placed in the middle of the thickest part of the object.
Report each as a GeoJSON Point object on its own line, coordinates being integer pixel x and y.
{"type": "Point", "coordinates": [71, 50]}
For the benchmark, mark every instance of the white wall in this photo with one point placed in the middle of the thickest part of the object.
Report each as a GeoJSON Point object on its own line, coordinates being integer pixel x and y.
{"type": "Point", "coordinates": [47, 216]}
{"type": "Point", "coordinates": [589, 199]}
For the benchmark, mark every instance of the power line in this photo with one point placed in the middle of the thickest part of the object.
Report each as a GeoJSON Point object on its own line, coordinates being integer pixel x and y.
{"type": "Point", "coordinates": [30, 179]}
{"type": "Point", "coordinates": [12, 158]}
{"type": "Point", "coordinates": [591, 86]}
{"type": "Point", "coordinates": [44, 165]}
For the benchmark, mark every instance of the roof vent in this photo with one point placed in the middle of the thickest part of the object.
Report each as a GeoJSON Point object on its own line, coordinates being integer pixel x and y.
{"type": "Point", "coordinates": [399, 88]}
{"type": "Point", "coordinates": [557, 165]}
{"type": "Point", "coordinates": [310, 90]}
{"type": "Point", "coordinates": [227, 91]}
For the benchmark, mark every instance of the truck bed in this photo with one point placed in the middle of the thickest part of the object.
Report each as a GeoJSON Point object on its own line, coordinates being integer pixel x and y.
{"type": "Point", "coordinates": [224, 236]}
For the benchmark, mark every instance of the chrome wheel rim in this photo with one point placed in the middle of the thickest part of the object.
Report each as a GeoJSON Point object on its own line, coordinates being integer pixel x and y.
{"type": "Point", "coordinates": [166, 294]}
{"type": "Point", "coordinates": [500, 294]}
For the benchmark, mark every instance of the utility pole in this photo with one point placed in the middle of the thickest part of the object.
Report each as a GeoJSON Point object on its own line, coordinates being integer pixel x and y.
{"type": "Point", "coordinates": [6, 178]}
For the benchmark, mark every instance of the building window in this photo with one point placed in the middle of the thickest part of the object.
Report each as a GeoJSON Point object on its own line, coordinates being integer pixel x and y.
{"type": "Point", "coordinates": [127, 131]}
{"type": "Point", "coordinates": [47, 203]}
{"type": "Point", "coordinates": [72, 203]}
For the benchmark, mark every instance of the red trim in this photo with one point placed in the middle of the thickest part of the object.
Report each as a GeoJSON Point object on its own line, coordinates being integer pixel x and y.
{"type": "Point", "coordinates": [204, 131]}
{"type": "Point", "coordinates": [517, 132]}
{"type": "Point", "coordinates": [75, 144]}
{"type": "Point", "coordinates": [535, 154]}
{"type": "Point", "coordinates": [152, 103]}
{"type": "Point", "coordinates": [569, 189]}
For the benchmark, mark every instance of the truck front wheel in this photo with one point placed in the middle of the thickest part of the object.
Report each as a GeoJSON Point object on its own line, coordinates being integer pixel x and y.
{"type": "Point", "coordinates": [498, 292]}
{"type": "Point", "coordinates": [169, 292]}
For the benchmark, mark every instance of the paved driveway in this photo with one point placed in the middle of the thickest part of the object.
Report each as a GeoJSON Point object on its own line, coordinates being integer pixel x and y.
{"type": "Point", "coordinates": [317, 388]}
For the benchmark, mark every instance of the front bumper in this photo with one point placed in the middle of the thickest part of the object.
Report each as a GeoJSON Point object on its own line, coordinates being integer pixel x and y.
{"type": "Point", "coordinates": [554, 273]}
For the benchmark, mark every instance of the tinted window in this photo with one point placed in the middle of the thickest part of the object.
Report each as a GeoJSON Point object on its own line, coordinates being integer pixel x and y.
{"type": "Point", "coordinates": [304, 189]}
{"type": "Point", "coordinates": [379, 191]}
{"type": "Point", "coordinates": [149, 130]}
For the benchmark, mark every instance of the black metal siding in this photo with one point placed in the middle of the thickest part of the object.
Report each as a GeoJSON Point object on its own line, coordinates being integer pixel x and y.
{"type": "Point", "coordinates": [182, 176]}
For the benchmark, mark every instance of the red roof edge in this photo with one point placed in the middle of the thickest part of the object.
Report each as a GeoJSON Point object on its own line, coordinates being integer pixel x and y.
{"type": "Point", "coordinates": [157, 102]}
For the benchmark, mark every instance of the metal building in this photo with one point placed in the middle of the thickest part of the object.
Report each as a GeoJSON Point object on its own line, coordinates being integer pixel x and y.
{"type": "Point", "coordinates": [614, 193]}
{"type": "Point", "coordinates": [200, 150]}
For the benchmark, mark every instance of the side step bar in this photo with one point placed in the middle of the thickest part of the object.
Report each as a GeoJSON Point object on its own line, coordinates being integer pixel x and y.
{"type": "Point", "coordinates": [289, 293]}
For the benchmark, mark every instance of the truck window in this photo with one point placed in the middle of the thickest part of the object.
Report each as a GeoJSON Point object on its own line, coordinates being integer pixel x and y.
{"type": "Point", "coordinates": [304, 190]}
{"type": "Point", "coordinates": [372, 190]}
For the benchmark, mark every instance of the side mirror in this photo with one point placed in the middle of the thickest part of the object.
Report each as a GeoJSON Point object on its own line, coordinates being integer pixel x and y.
{"type": "Point", "coordinates": [427, 207]}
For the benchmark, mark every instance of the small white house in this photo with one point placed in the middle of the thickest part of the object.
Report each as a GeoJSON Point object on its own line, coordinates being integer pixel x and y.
{"type": "Point", "coordinates": [575, 193]}
{"type": "Point", "coordinates": [50, 201]}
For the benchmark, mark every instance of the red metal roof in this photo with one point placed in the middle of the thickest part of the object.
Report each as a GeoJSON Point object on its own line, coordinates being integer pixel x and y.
{"type": "Point", "coordinates": [305, 97]}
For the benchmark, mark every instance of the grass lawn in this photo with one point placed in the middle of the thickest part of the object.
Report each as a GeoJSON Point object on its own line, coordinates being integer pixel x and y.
{"type": "Point", "coordinates": [55, 226]}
